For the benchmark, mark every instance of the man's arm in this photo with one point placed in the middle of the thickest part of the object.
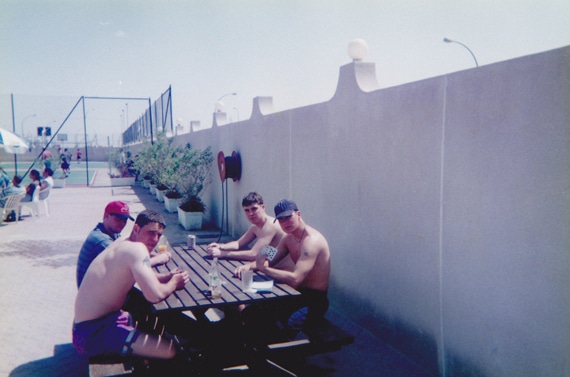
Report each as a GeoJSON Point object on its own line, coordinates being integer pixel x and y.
{"type": "Point", "coordinates": [235, 249]}
{"type": "Point", "coordinates": [303, 267]}
{"type": "Point", "coordinates": [153, 288]}
{"type": "Point", "coordinates": [160, 258]}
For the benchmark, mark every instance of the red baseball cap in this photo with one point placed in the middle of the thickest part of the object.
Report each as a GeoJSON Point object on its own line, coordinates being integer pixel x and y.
{"type": "Point", "coordinates": [119, 209]}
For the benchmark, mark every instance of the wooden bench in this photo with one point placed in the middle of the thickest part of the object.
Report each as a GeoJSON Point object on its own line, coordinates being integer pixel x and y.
{"type": "Point", "coordinates": [107, 366]}
{"type": "Point", "coordinates": [326, 337]}
{"type": "Point", "coordinates": [287, 356]}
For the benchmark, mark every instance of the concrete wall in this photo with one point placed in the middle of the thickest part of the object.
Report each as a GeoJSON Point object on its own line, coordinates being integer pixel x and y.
{"type": "Point", "coordinates": [445, 203]}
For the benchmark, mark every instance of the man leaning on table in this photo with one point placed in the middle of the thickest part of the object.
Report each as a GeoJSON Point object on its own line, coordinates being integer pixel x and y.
{"type": "Point", "coordinates": [263, 231]}
{"type": "Point", "coordinates": [100, 325]}
{"type": "Point", "coordinates": [310, 253]}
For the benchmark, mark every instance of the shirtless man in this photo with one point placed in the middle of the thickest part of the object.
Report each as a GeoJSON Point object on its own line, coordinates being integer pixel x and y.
{"type": "Point", "coordinates": [310, 254]}
{"type": "Point", "coordinates": [263, 229]}
{"type": "Point", "coordinates": [100, 326]}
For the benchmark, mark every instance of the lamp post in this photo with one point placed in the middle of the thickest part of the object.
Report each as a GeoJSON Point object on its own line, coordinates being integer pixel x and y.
{"type": "Point", "coordinates": [127, 118]}
{"type": "Point", "coordinates": [23, 120]}
{"type": "Point", "coordinates": [447, 40]}
{"type": "Point", "coordinates": [218, 105]}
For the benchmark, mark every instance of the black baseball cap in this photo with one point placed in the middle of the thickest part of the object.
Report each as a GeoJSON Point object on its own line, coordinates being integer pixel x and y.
{"type": "Point", "coordinates": [284, 208]}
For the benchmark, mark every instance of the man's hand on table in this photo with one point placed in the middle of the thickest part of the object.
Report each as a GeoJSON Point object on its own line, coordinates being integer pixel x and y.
{"type": "Point", "coordinates": [215, 250]}
{"type": "Point", "coordinates": [160, 258]}
{"type": "Point", "coordinates": [179, 277]}
{"type": "Point", "coordinates": [242, 268]}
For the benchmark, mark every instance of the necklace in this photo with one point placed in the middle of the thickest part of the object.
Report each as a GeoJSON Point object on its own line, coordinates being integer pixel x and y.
{"type": "Point", "coordinates": [302, 235]}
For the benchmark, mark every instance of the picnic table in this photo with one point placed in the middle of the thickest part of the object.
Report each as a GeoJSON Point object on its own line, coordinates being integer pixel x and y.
{"type": "Point", "coordinates": [196, 294]}
{"type": "Point", "coordinates": [228, 349]}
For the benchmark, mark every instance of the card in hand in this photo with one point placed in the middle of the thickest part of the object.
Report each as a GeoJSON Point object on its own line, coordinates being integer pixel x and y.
{"type": "Point", "coordinates": [268, 251]}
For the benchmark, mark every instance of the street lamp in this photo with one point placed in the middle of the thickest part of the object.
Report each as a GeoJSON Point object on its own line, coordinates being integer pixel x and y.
{"type": "Point", "coordinates": [29, 116]}
{"type": "Point", "coordinates": [127, 119]}
{"type": "Point", "coordinates": [447, 40]}
{"type": "Point", "coordinates": [219, 105]}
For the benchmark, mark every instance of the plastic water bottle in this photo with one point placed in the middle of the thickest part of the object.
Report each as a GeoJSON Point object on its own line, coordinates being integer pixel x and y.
{"type": "Point", "coordinates": [215, 281]}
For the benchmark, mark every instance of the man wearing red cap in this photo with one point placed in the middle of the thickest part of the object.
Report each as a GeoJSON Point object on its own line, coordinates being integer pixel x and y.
{"type": "Point", "coordinates": [114, 221]}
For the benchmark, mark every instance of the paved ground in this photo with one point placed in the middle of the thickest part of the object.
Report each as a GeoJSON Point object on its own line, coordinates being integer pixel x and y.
{"type": "Point", "coordinates": [37, 280]}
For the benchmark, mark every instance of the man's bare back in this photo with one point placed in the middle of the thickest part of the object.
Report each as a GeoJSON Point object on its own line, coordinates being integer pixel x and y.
{"type": "Point", "coordinates": [108, 280]}
{"type": "Point", "coordinates": [106, 284]}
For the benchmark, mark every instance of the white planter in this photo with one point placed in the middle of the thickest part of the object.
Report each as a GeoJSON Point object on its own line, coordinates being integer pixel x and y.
{"type": "Point", "coordinates": [160, 195]}
{"type": "Point", "coordinates": [190, 220]}
{"type": "Point", "coordinates": [152, 188]}
{"type": "Point", "coordinates": [172, 204]}
{"type": "Point", "coordinates": [123, 181]}
{"type": "Point", "coordinates": [59, 182]}
{"type": "Point", "coordinates": [146, 183]}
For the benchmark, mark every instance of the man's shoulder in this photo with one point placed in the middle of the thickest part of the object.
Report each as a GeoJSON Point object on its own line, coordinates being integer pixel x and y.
{"type": "Point", "coordinates": [98, 235]}
{"type": "Point", "coordinates": [271, 227]}
{"type": "Point", "coordinates": [126, 247]}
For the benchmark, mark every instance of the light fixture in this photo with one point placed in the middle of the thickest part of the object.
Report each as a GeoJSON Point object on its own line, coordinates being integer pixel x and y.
{"type": "Point", "coordinates": [447, 40]}
{"type": "Point", "coordinates": [219, 106]}
{"type": "Point", "coordinates": [357, 49]}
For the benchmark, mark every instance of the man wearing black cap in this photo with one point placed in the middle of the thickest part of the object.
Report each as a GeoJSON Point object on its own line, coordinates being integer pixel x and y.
{"type": "Point", "coordinates": [310, 253]}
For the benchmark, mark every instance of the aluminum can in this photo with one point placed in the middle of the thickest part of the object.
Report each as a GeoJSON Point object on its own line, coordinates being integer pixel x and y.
{"type": "Point", "coordinates": [191, 241]}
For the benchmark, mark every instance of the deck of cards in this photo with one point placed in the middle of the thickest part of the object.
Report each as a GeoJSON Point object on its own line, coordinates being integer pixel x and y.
{"type": "Point", "coordinates": [268, 252]}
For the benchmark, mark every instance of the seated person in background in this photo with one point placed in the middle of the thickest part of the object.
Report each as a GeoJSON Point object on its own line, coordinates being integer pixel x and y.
{"type": "Point", "coordinates": [263, 230]}
{"type": "Point", "coordinates": [310, 253]}
{"type": "Point", "coordinates": [31, 188]}
{"type": "Point", "coordinates": [4, 179]}
{"type": "Point", "coordinates": [13, 189]}
{"type": "Point", "coordinates": [47, 183]}
{"type": "Point", "coordinates": [100, 326]}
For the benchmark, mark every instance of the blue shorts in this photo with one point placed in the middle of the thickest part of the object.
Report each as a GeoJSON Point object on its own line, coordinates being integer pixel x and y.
{"type": "Point", "coordinates": [112, 334]}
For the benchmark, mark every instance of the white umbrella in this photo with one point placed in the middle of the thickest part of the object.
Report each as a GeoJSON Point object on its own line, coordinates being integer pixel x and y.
{"type": "Point", "coordinates": [12, 143]}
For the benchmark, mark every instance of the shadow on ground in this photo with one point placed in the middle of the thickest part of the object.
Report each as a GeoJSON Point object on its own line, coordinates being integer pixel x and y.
{"type": "Point", "coordinates": [64, 362]}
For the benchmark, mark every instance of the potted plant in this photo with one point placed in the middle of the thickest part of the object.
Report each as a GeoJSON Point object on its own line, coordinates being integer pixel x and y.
{"type": "Point", "coordinates": [161, 189]}
{"type": "Point", "coordinates": [151, 162]}
{"type": "Point", "coordinates": [146, 181]}
{"type": "Point", "coordinates": [172, 199]}
{"type": "Point", "coordinates": [195, 175]}
{"type": "Point", "coordinates": [122, 175]}
{"type": "Point", "coordinates": [190, 213]}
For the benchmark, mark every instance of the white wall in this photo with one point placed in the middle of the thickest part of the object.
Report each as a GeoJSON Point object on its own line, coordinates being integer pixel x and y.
{"type": "Point", "coordinates": [445, 203]}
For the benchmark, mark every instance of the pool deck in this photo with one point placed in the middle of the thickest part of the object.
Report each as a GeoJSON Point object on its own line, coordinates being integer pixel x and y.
{"type": "Point", "coordinates": [37, 275]}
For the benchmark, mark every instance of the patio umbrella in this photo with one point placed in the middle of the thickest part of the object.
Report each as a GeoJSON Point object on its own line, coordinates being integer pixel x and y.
{"type": "Point", "coordinates": [12, 143]}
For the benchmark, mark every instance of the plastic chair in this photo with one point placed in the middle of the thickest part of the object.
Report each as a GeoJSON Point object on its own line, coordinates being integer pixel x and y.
{"type": "Point", "coordinates": [12, 204]}
{"type": "Point", "coordinates": [43, 197]}
{"type": "Point", "coordinates": [37, 198]}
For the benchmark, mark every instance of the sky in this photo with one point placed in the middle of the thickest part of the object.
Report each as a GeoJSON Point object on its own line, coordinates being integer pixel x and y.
{"type": "Point", "coordinates": [52, 52]}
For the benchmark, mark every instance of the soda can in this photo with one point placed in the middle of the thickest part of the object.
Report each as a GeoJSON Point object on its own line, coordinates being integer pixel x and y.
{"type": "Point", "coordinates": [191, 241]}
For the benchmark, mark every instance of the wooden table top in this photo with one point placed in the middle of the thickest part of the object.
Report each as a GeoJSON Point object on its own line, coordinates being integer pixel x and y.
{"type": "Point", "coordinates": [196, 293]}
